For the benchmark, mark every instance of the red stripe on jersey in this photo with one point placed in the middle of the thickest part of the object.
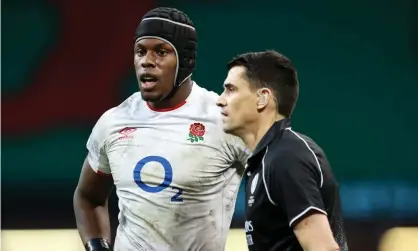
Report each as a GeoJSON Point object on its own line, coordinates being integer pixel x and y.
{"type": "Point", "coordinates": [166, 109]}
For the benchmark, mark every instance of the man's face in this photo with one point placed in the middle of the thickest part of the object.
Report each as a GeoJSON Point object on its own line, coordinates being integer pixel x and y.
{"type": "Point", "coordinates": [238, 101]}
{"type": "Point", "coordinates": [155, 66]}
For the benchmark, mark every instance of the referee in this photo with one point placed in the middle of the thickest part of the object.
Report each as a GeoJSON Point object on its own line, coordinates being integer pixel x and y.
{"type": "Point", "coordinates": [292, 197]}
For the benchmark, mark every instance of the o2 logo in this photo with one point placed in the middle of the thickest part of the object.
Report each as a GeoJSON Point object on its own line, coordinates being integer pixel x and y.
{"type": "Point", "coordinates": [168, 177]}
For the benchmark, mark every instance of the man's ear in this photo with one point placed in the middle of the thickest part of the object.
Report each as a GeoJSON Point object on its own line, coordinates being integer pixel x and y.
{"type": "Point", "coordinates": [264, 96]}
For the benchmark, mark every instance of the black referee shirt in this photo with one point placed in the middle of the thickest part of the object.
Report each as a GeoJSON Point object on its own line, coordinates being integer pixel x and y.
{"type": "Point", "coordinates": [287, 178]}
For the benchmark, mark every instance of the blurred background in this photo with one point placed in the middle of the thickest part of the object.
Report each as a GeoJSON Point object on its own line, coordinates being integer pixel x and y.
{"type": "Point", "coordinates": [66, 62]}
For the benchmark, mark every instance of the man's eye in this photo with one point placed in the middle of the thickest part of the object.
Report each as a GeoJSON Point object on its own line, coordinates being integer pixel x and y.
{"type": "Point", "coordinates": [140, 52]}
{"type": "Point", "coordinates": [162, 52]}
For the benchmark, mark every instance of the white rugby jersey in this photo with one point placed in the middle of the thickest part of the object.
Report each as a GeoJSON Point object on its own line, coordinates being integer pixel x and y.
{"type": "Point", "coordinates": [176, 173]}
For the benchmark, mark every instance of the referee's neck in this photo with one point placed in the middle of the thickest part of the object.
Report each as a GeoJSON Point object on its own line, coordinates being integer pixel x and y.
{"type": "Point", "coordinates": [257, 130]}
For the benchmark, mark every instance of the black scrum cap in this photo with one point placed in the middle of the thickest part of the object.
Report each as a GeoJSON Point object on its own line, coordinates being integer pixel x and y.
{"type": "Point", "coordinates": [175, 28]}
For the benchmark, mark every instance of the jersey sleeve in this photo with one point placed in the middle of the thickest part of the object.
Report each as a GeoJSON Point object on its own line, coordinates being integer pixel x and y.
{"type": "Point", "coordinates": [295, 181]}
{"type": "Point", "coordinates": [237, 149]}
{"type": "Point", "coordinates": [96, 145]}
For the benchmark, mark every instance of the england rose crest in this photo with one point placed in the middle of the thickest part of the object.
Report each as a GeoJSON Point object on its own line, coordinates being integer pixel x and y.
{"type": "Point", "coordinates": [197, 130]}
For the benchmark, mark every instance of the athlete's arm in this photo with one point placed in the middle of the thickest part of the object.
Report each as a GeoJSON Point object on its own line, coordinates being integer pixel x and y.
{"type": "Point", "coordinates": [90, 204]}
{"type": "Point", "coordinates": [314, 233]}
{"type": "Point", "coordinates": [236, 148]}
{"type": "Point", "coordinates": [93, 189]}
{"type": "Point", "coordinates": [294, 184]}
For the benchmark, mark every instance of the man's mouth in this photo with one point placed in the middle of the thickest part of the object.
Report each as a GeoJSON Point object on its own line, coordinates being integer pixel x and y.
{"type": "Point", "coordinates": [148, 81]}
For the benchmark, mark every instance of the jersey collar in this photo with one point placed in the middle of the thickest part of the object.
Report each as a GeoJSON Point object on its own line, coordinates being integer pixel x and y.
{"type": "Point", "coordinates": [168, 109]}
{"type": "Point", "coordinates": [275, 131]}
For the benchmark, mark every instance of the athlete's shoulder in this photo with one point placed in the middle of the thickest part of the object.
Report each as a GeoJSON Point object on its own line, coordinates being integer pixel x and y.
{"type": "Point", "coordinates": [208, 95]}
{"type": "Point", "coordinates": [205, 98]}
{"type": "Point", "coordinates": [120, 112]}
{"type": "Point", "coordinates": [202, 103]}
{"type": "Point", "coordinates": [131, 104]}
{"type": "Point", "coordinates": [106, 117]}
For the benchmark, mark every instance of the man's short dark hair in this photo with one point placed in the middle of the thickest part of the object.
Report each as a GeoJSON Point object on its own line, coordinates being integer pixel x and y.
{"type": "Point", "coordinates": [272, 70]}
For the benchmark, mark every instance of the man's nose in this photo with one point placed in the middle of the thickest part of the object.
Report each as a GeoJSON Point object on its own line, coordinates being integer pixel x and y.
{"type": "Point", "coordinates": [148, 61]}
{"type": "Point", "coordinates": [221, 101]}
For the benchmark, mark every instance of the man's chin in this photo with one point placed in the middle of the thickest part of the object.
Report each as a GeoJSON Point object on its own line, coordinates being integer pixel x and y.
{"type": "Point", "coordinates": [229, 129]}
{"type": "Point", "coordinates": [151, 97]}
